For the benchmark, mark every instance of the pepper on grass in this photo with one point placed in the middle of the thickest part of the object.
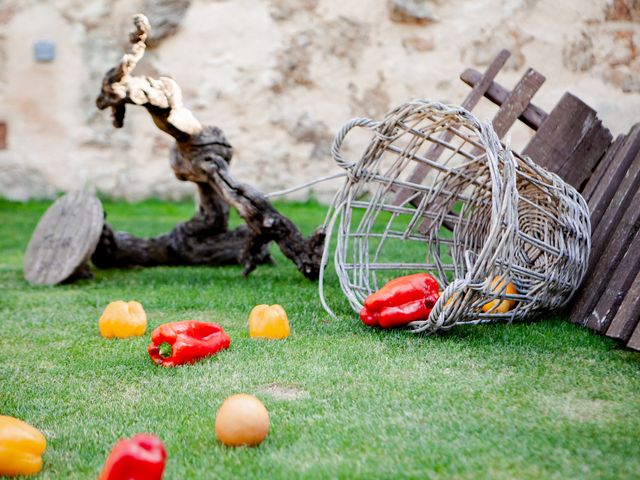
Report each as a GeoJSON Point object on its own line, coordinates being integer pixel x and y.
{"type": "Point", "coordinates": [400, 301]}
{"type": "Point", "coordinates": [21, 447]}
{"type": "Point", "coordinates": [141, 457]}
{"type": "Point", "coordinates": [177, 343]}
{"type": "Point", "coordinates": [268, 322]}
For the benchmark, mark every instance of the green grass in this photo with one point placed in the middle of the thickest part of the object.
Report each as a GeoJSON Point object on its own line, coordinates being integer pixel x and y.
{"type": "Point", "coordinates": [539, 400]}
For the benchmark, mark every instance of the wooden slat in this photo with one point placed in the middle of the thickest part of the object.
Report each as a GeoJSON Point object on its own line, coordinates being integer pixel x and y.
{"type": "Point", "coordinates": [602, 170]}
{"type": "Point", "coordinates": [616, 287]}
{"type": "Point", "coordinates": [471, 101]}
{"type": "Point", "coordinates": [610, 181]}
{"type": "Point", "coordinates": [532, 116]}
{"type": "Point", "coordinates": [580, 165]}
{"type": "Point", "coordinates": [623, 197]}
{"type": "Point", "coordinates": [627, 317]}
{"type": "Point", "coordinates": [602, 266]}
{"type": "Point", "coordinates": [516, 101]}
{"type": "Point", "coordinates": [570, 141]}
{"type": "Point", "coordinates": [634, 341]}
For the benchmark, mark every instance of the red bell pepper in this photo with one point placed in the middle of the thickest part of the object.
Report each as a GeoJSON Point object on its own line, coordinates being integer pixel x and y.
{"type": "Point", "coordinates": [178, 343]}
{"type": "Point", "coordinates": [141, 457]}
{"type": "Point", "coordinates": [400, 301]}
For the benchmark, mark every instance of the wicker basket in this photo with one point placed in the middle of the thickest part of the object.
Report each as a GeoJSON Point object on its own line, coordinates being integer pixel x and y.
{"type": "Point", "coordinates": [482, 216]}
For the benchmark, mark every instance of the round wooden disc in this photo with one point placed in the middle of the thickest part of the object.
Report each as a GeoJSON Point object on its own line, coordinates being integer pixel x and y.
{"type": "Point", "coordinates": [64, 239]}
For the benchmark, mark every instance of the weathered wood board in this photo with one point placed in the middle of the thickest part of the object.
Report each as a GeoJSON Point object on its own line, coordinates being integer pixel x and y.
{"type": "Point", "coordinates": [627, 316]}
{"type": "Point", "coordinates": [601, 171]}
{"type": "Point", "coordinates": [516, 102]}
{"type": "Point", "coordinates": [624, 197]}
{"type": "Point", "coordinates": [532, 116]}
{"type": "Point", "coordinates": [608, 177]}
{"type": "Point", "coordinates": [604, 261]}
{"type": "Point", "coordinates": [570, 141]}
{"type": "Point", "coordinates": [64, 239]}
{"type": "Point", "coordinates": [616, 288]}
{"type": "Point", "coordinates": [634, 341]}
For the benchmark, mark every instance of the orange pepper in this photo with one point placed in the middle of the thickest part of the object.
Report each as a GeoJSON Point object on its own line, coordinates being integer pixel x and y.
{"type": "Point", "coordinates": [123, 319]}
{"type": "Point", "coordinates": [268, 322]}
{"type": "Point", "coordinates": [503, 306]}
{"type": "Point", "coordinates": [21, 447]}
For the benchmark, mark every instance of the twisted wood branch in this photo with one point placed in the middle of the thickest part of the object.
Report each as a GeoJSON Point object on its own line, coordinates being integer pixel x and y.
{"type": "Point", "coordinates": [200, 155]}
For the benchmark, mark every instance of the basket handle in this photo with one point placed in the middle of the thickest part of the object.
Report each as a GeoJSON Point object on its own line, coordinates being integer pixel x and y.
{"type": "Point", "coordinates": [437, 316]}
{"type": "Point", "coordinates": [342, 133]}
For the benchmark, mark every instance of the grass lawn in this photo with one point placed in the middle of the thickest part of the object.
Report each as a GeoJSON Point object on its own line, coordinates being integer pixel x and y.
{"type": "Point", "coordinates": [539, 400]}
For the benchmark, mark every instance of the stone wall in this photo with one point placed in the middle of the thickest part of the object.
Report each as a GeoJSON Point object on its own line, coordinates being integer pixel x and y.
{"type": "Point", "coordinates": [280, 77]}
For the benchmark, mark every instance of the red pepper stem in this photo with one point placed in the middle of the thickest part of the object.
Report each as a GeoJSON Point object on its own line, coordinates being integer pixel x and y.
{"type": "Point", "coordinates": [165, 350]}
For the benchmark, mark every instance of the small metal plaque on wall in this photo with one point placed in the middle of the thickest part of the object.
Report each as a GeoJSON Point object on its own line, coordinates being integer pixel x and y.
{"type": "Point", "coordinates": [44, 51]}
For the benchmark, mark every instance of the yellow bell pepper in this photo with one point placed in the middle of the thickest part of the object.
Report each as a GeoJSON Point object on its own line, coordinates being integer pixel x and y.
{"type": "Point", "coordinates": [505, 305]}
{"type": "Point", "coordinates": [123, 319]}
{"type": "Point", "coordinates": [21, 447]}
{"type": "Point", "coordinates": [268, 322]}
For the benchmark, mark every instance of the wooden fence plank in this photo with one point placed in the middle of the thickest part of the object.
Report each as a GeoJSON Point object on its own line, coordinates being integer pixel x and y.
{"type": "Point", "coordinates": [634, 341]}
{"type": "Point", "coordinates": [421, 170]}
{"type": "Point", "coordinates": [628, 315]}
{"type": "Point", "coordinates": [616, 287]}
{"type": "Point", "coordinates": [516, 101]}
{"type": "Point", "coordinates": [570, 141]}
{"type": "Point", "coordinates": [611, 180]}
{"type": "Point", "coordinates": [623, 197]}
{"type": "Point", "coordinates": [601, 173]}
{"type": "Point", "coordinates": [602, 265]}
{"type": "Point", "coordinates": [579, 167]}
{"type": "Point", "coordinates": [532, 116]}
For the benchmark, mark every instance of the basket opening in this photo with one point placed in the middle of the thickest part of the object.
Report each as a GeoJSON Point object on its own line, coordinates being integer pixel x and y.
{"type": "Point", "coordinates": [435, 192]}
